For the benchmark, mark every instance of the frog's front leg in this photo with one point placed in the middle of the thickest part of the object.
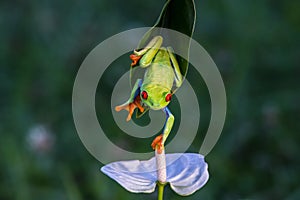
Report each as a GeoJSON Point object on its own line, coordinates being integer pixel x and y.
{"type": "Point", "coordinates": [146, 55]}
{"type": "Point", "coordinates": [133, 102]}
{"type": "Point", "coordinates": [178, 75]}
{"type": "Point", "coordinates": [159, 141]}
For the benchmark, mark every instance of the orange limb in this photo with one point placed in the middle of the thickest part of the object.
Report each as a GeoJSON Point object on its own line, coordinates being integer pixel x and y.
{"type": "Point", "coordinates": [130, 107]}
{"type": "Point", "coordinates": [134, 59]}
{"type": "Point", "coordinates": [157, 144]}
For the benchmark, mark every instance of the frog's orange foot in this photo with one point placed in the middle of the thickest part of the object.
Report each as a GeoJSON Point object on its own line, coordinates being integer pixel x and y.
{"type": "Point", "coordinates": [137, 102]}
{"type": "Point", "coordinates": [157, 144]}
{"type": "Point", "coordinates": [134, 59]}
{"type": "Point", "coordinates": [130, 107]}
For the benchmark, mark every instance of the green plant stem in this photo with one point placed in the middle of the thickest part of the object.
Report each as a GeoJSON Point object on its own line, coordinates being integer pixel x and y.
{"type": "Point", "coordinates": [161, 187]}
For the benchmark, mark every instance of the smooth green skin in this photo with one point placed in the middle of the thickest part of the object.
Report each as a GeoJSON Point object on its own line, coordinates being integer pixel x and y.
{"type": "Point", "coordinates": [162, 70]}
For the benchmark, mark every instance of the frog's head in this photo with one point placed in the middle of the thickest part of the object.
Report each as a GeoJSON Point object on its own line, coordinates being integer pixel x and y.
{"type": "Point", "coordinates": [155, 96]}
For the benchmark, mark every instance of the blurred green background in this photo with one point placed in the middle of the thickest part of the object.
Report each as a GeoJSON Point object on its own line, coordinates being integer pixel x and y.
{"type": "Point", "coordinates": [255, 44]}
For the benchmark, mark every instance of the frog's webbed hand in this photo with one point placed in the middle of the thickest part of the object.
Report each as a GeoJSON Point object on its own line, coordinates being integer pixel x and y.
{"type": "Point", "coordinates": [159, 141]}
{"type": "Point", "coordinates": [178, 75]}
{"type": "Point", "coordinates": [133, 102]}
{"type": "Point", "coordinates": [145, 56]}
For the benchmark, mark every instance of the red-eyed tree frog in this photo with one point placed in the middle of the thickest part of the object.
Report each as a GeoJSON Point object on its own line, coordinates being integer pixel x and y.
{"type": "Point", "coordinates": [155, 89]}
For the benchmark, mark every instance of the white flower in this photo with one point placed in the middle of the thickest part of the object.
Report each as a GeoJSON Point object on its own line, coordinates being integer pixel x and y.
{"type": "Point", "coordinates": [185, 172]}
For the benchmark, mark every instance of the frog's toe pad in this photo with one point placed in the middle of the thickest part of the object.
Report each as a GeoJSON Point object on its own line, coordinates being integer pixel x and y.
{"type": "Point", "coordinates": [121, 107]}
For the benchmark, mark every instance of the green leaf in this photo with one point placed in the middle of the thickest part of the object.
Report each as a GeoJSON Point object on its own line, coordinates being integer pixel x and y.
{"type": "Point", "coordinates": [178, 15]}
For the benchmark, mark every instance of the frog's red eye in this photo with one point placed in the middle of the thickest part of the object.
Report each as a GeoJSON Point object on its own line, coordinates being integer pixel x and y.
{"type": "Point", "coordinates": [168, 97]}
{"type": "Point", "coordinates": [144, 95]}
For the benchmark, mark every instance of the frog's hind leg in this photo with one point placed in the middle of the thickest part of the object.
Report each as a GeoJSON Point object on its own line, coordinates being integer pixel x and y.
{"type": "Point", "coordinates": [133, 102]}
{"type": "Point", "coordinates": [159, 141]}
{"type": "Point", "coordinates": [178, 75]}
{"type": "Point", "coordinates": [146, 55]}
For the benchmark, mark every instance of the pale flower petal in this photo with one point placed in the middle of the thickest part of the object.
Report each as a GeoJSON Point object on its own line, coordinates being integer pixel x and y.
{"type": "Point", "coordinates": [135, 176]}
{"type": "Point", "coordinates": [186, 173]}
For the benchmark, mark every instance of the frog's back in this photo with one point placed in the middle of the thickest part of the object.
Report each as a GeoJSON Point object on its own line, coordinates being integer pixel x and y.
{"type": "Point", "coordinates": [160, 74]}
{"type": "Point", "coordinates": [160, 71]}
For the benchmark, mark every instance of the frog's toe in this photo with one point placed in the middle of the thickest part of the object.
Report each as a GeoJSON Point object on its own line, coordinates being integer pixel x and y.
{"type": "Point", "coordinates": [134, 59]}
{"type": "Point", "coordinates": [137, 102]}
{"type": "Point", "coordinates": [129, 107]}
{"type": "Point", "coordinates": [157, 144]}
{"type": "Point", "coordinates": [122, 107]}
